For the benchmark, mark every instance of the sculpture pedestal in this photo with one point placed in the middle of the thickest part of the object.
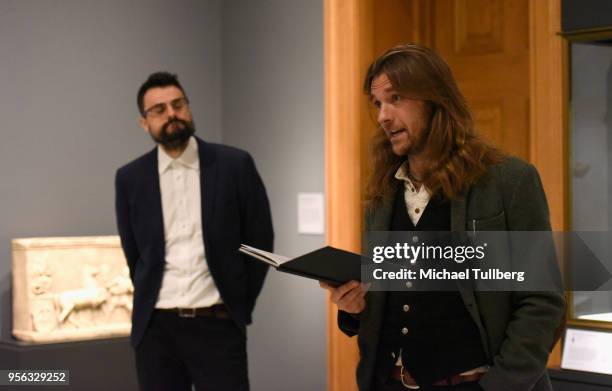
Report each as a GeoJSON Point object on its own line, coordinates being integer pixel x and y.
{"type": "Point", "coordinates": [102, 364]}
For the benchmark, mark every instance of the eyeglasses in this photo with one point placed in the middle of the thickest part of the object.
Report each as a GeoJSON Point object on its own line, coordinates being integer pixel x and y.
{"type": "Point", "coordinates": [178, 104]}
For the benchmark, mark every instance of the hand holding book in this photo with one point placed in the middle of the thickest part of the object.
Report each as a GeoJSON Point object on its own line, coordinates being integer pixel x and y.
{"type": "Point", "coordinates": [349, 297]}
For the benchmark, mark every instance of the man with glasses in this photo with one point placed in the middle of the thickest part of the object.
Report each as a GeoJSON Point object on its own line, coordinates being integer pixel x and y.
{"type": "Point", "coordinates": [183, 209]}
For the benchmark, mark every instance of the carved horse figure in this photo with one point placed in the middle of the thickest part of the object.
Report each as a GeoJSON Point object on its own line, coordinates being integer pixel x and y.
{"type": "Point", "coordinates": [120, 291]}
{"type": "Point", "coordinates": [90, 296]}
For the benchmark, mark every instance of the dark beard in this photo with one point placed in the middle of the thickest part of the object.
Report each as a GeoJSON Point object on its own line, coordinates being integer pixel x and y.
{"type": "Point", "coordinates": [177, 139]}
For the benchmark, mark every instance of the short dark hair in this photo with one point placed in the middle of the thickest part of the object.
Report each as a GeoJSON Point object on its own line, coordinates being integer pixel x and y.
{"type": "Point", "coordinates": [157, 79]}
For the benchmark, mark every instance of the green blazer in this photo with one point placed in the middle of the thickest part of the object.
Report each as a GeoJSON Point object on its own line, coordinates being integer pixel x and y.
{"type": "Point", "coordinates": [517, 329]}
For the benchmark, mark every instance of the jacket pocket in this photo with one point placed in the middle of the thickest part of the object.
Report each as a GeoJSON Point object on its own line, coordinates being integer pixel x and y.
{"type": "Point", "coordinates": [495, 223]}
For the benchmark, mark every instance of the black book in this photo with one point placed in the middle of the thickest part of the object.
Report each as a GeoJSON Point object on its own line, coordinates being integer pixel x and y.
{"type": "Point", "coordinates": [327, 264]}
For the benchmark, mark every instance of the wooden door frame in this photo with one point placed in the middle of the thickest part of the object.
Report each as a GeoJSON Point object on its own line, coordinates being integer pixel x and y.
{"type": "Point", "coordinates": [548, 105]}
{"type": "Point", "coordinates": [345, 40]}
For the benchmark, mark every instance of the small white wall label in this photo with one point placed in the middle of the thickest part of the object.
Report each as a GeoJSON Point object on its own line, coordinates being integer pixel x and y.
{"type": "Point", "coordinates": [587, 350]}
{"type": "Point", "coordinates": [311, 213]}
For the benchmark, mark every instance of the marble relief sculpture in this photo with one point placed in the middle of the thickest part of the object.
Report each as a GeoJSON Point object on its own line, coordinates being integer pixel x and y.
{"type": "Point", "coordinates": [67, 289]}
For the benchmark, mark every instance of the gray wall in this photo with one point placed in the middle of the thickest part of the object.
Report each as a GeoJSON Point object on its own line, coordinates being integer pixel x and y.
{"type": "Point", "coordinates": [253, 71]}
{"type": "Point", "coordinates": [273, 107]}
{"type": "Point", "coordinates": [70, 70]}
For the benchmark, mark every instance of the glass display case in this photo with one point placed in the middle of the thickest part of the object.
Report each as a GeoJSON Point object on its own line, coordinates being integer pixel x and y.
{"type": "Point", "coordinates": [589, 171]}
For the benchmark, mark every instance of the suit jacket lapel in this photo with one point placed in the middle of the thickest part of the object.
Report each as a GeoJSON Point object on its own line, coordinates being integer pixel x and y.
{"type": "Point", "coordinates": [458, 225]}
{"type": "Point", "coordinates": [208, 178]}
{"type": "Point", "coordinates": [154, 191]}
{"type": "Point", "coordinates": [458, 211]}
{"type": "Point", "coordinates": [379, 218]}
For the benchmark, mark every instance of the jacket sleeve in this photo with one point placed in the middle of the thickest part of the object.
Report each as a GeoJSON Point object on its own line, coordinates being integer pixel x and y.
{"type": "Point", "coordinates": [348, 323]}
{"type": "Point", "coordinates": [257, 228]}
{"type": "Point", "coordinates": [537, 316]}
{"type": "Point", "coordinates": [122, 212]}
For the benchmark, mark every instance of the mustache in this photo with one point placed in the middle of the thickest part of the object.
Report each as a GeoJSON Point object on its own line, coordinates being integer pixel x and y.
{"type": "Point", "coordinates": [173, 121]}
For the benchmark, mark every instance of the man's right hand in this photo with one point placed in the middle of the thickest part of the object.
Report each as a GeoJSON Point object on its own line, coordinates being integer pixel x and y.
{"type": "Point", "coordinates": [349, 297]}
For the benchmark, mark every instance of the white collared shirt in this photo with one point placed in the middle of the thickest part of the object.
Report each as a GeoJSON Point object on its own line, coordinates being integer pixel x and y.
{"type": "Point", "coordinates": [187, 282]}
{"type": "Point", "coordinates": [416, 199]}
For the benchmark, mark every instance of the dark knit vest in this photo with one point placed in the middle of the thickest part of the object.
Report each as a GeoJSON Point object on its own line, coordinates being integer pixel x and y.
{"type": "Point", "coordinates": [434, 331]}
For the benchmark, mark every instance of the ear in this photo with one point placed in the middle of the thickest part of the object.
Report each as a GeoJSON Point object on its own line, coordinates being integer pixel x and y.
{"type": "Point", "coordinates": [142, 121]}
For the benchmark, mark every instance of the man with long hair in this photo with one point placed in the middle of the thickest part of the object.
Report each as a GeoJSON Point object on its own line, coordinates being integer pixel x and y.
{"type": "Point", "coordinates": [432, 172]}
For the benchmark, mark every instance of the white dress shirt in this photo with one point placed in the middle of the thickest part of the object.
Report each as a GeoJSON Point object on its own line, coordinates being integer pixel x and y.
{"type": "Point", "coordinates": [416, 199]}
{"type": "Point", "coordinates": [187, 282]}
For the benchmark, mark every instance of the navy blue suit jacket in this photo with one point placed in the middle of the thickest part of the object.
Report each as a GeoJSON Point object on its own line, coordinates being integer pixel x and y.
{"type": "Point", "coordinates": [235, 210]}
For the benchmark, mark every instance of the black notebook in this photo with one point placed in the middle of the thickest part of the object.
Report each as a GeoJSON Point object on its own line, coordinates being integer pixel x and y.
{"type": "Point", "coordinates": [327, 264]}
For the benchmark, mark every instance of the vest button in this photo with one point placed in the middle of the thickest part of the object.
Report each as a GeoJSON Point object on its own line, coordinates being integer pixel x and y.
{"type": "Point", "coordinates": [406, 308]}
{"type": "Point", "coordinates": [408, 284]}
{"type": "Point", "coordinates": [405, 330]}
{"type": "Point", "coordinates": [415, 239]}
